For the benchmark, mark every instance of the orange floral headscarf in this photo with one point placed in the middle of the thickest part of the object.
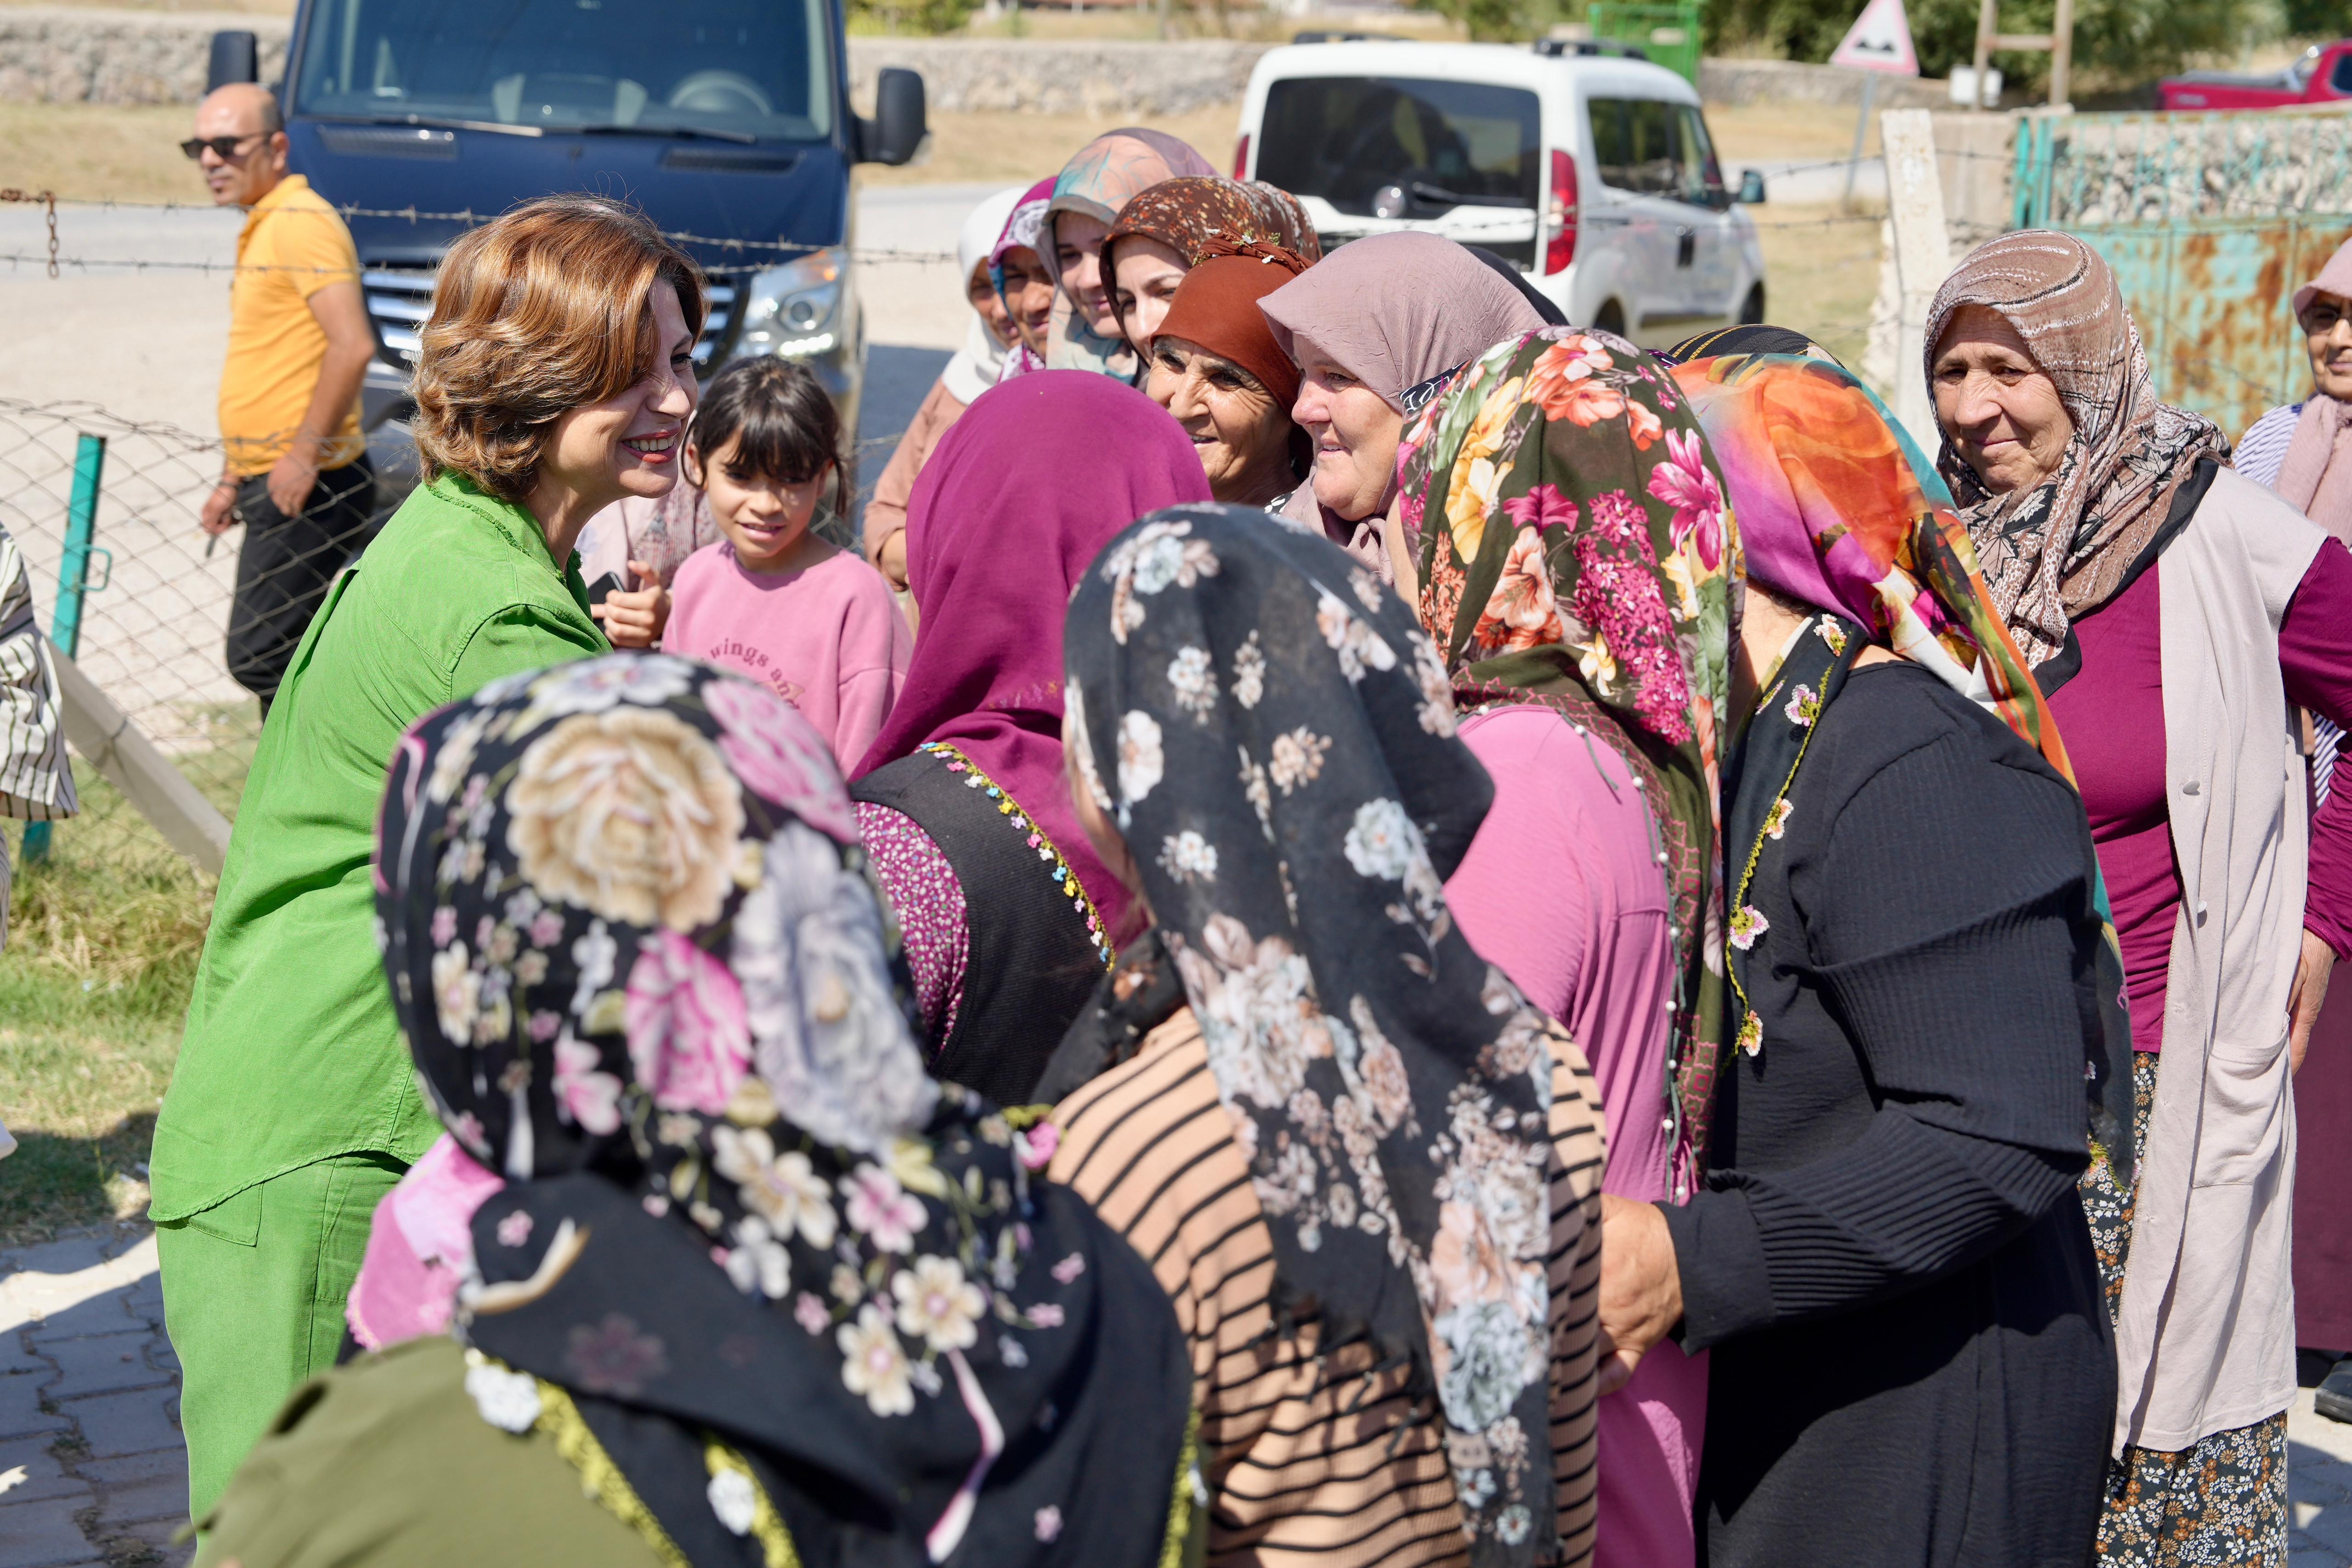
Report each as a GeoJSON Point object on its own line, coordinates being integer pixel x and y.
{"type": "Point", "coordinates": [1840, 510]}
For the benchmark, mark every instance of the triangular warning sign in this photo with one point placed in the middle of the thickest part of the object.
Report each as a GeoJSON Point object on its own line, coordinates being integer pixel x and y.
{"type": "Point", "coordinates": [1880, 40]}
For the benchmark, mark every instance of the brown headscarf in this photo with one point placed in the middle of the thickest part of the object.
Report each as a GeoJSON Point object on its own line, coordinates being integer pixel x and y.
{"type": "Point", "coordinates": [1216, 307]}
{"type": "Point", "coordinates": [1186, 214]}
{"type": "Point", "coordinates": [2064, 547]}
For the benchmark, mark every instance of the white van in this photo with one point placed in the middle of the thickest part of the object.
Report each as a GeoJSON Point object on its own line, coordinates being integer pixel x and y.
{"type": "Point", "coordinates": [1593, 173]}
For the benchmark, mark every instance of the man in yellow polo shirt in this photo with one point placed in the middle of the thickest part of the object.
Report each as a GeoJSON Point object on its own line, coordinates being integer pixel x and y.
{"type": "Point", "coordinates": [295, 473]}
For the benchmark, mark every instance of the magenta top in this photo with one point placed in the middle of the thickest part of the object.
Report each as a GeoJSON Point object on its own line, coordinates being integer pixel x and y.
{"type": "Point", "coordinates": [2112, 716]}
{"type": "Point", "coordinates": [1562, 889]}
{"type": "Point", "coordinates": [829, 639]}
{"type": "Point", "coordinates": [927, 900]}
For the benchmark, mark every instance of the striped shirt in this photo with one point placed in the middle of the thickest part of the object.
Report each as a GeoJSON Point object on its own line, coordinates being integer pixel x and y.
{"type": "Point", "coordinates": [1308, 1457]}
{"type": "Point", "coordinates": [2261, 453]}
{"type": "Point", "coordinates": [35, 780]}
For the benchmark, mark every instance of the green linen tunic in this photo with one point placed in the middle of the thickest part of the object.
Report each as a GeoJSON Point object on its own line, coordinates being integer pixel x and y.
{"type": "Point", "coordinates": [290, 1055]}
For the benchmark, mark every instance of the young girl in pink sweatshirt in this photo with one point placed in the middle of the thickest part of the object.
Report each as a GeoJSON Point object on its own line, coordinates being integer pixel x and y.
{"type": "Point", "coordinates": [772, 599]}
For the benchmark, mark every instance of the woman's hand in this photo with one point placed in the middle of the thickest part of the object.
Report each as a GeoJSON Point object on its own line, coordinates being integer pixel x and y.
{"type": "Point", "coordinates": [2303, 1001]}
{"type": "Point", "coordinates": [635, 620]}
{"type": "Point", "coordinates": [1641, 1286]}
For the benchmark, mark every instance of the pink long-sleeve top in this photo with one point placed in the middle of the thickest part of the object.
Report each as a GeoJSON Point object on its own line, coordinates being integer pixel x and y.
{"type": "Point", "coordinates": [829, 638]}
{"type": "Point", "coordinates": [2112, 715]}
{"type": "Point", "coordinates": [1561, 888]}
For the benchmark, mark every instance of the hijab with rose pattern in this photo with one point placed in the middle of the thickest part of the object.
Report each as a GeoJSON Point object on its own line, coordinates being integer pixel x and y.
{"type": "Point", "coordinates": [1274, 737]}
{"type": "Point", "coordinates": [1576, 552]}
{"type": "Point", "coordinates": [806, 1299]}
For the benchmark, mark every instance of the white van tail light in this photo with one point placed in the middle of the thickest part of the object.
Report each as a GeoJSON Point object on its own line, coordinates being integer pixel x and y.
{"type": "Point", "coordinates": [1241, 157]}
{"type": "Point", "coordinates": [1561, 217]}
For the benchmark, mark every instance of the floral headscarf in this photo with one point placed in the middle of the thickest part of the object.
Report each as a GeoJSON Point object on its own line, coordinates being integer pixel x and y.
{"type": "Point", "coordinates": [1186, 214]}
{"type": "Point", "coordinates": [1576, 551]}
{"type": "Point", "coordinates": [1274, 737]}
{"type": "Point", "coordinates": [1838, 509]}
{"type": "Point", "coordinates": [802, 1297]}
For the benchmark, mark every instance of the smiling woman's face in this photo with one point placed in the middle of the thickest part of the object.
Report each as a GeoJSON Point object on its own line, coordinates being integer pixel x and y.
{"type": "Point", "coordinates": [2328, 333]}
{"type": "Point", "coordinates": [1355, 434]}
{"type": "Point", "coordinates": [1241, 435]}
{"type": "Point", "coordinates": [2000, 409]}
{"type": "Point", "coordinates": [626, 445]}
{"type": "Point", "coordinates": [1144, 274]}
{"type": "Point", "coordinates": [1028, 297]}
{"type": "Point", "coordinates": [1077, 261]}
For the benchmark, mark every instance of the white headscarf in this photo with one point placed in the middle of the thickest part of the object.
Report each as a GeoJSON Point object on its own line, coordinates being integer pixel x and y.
{"type": "Point", "coordinates": [981, 361]}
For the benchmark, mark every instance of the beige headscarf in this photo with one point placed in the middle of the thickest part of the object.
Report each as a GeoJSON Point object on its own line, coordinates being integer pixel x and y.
{"type": "Point", "coordinates": [2064, 547]}
{"type": "Point", "coordinates": [2316, 475]}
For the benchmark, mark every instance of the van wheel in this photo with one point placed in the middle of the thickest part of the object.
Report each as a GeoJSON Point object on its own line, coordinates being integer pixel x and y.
{"type": "Point", "coordinates": [1751, 314]}
{"type": "Point", "coordinates": [1611, 318]}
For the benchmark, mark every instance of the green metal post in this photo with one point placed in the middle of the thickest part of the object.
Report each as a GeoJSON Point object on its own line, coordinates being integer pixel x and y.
{"type": "Point", "coordinates": [73, 577]}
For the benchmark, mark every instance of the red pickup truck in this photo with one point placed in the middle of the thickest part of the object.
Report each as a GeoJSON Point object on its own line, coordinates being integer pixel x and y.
{"type": "Point", "coordinates": [2323, 73]}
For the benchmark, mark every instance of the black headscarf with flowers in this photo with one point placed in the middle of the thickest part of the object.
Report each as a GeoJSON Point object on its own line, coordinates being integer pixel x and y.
{"type": "Point", "coordinates": [1274, 737]}
{"type": "Point", "coordinates": [806, 1300]}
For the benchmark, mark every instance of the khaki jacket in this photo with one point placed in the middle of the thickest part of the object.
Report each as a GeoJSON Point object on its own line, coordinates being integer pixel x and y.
{"type": "Point", "coordinates": [2205, 1340]}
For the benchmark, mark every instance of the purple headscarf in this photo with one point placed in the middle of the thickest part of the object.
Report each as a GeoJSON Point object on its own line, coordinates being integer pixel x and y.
{"type": "Point", "coordinates": [1018, 499]}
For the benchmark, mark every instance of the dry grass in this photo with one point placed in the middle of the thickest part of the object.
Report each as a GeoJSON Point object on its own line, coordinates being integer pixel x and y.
{"type": "Point", "coordinates": [1785, 130]}
{"type": "Point", "coordinates": [1820, 274]}
{"type": "Point", "coordinates": [89, 152]}
{"type": "Point", "coordinates": [1010, 147]}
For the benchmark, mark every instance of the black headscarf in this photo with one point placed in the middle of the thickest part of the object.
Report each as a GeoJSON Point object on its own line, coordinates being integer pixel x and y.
{"type": "Point", "coordinates": [1275, 735]}
{"type": "Point", "coordinates": [805, 1298]}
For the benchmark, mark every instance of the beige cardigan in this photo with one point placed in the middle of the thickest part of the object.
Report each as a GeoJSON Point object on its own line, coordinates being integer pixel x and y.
{"type": "Point", "coordinates": [2205, 1339]}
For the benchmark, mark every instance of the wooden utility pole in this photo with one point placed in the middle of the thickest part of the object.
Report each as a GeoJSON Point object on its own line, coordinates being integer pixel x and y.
{"type": "Point", "coordinates": [2058, 43]}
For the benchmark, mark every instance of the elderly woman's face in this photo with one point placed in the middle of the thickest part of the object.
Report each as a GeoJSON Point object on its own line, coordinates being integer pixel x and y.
{"type": "Point", "coordinates": [980, 289]}
{"type": "Point", "coordinates": [1355, 434]}
{"type": "Point", "coordinates": [1243, 437]}
{"type": "Point", "coordinates": [2327, 333]}
{"type": "Point", "coordinates": [1144, 274]}
{"type": "Point", "coordinates": [2002, 411]}
{"type": "Point", "coordinates": [1028, 295]}
{"type": "Point", "coordinates": [628, 446]}
{"type": "Point", "coordinates": [1078, 260]}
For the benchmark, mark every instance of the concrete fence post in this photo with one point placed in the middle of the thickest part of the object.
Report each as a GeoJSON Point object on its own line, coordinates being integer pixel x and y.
{"type": "Point", "coordinates": [1922, 257]}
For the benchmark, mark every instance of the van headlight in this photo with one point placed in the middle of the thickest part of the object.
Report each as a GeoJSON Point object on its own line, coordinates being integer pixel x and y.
{"type": "Point", "coordinates": [799, 311]}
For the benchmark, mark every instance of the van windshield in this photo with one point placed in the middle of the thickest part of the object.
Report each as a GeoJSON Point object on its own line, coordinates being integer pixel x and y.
{"type": "Point", "coordinates": [738, 67]}
{"type": "Point", "coordinates": [1415, 147]}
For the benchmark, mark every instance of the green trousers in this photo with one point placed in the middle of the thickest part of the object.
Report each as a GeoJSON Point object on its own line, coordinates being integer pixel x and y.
{"type": "Point", "coordinates": [253, 1301]}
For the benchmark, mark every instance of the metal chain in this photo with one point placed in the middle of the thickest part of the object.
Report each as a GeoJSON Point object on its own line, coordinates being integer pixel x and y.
{"type": "Point", "coordinates": [48, 199]}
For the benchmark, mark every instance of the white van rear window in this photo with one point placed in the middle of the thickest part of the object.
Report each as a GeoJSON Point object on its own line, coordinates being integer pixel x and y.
{"type": "Point", "coordinates": [1652, 148]}
{"type": "Point", "coordinates": [1438, 144]}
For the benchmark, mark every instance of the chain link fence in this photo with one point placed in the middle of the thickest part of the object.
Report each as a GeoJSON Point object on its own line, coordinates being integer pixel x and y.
{"type": "Point", "coordinates": [126, 582]}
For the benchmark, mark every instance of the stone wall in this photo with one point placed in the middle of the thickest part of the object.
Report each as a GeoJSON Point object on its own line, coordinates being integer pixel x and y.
{"type": "Point", "coordinates": [1107, 77]}
{"type": "Point", "coordinates": [73, 54]}
{"type": "Point", "coordinates": [1751, 81]}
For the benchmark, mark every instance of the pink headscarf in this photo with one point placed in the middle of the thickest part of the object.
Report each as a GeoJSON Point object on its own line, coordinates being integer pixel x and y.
{"type": "Point", "coordinates": [2316, 472]}
{"type": "Point", "coordinates": [1022, 232]}
{"type": "Point", "coordinates": [1018, 499]}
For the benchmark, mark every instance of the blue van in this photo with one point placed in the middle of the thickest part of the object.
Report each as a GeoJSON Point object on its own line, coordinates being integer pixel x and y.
{"type": "Point", "coordinates": [727, 121]}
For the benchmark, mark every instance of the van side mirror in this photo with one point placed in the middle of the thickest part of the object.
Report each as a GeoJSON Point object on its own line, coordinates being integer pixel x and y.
{"type": "Point", "coordinates": [1751, 187]}
{"type": "Point", "coordinates": [896, 130]}
{"type": "Point", "coordinates": [236, 56]}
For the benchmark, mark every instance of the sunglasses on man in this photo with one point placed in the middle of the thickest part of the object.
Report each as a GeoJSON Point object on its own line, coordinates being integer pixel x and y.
{"type": "Point", "coordinates": [228, 149]}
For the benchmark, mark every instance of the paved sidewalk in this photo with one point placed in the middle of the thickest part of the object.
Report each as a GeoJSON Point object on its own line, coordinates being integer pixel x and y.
{"type": "Point", "coordinates": [91, 1466]}
{"type": "Point", "coordinates": [91, 1469]}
